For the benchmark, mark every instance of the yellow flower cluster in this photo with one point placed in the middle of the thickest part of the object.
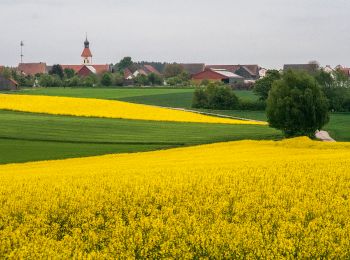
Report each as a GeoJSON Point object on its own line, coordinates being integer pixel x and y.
{"type": "Point", "coordinates": [246, 199]}
{"type": "Point", "coordinates": [105, 108]}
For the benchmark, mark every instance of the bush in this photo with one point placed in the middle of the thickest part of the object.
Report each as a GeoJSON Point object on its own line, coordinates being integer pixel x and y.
{"type": "Point", "coordinates": [89, 81]}
{"type": "Point", "coordinates": [215, 96]}
{"type": "Point", "coordinates": [252, 105]}
{"type": "Point", "coordinates": [47, 80]}
{"type": "Point", "coordinates": [118, 79]}
{"type": "Point", "coordinates": [296, 105]}
{"type": "Point", "coordinates": [155, 79]}
{"type": "Point", "coordinates": [106, 79]}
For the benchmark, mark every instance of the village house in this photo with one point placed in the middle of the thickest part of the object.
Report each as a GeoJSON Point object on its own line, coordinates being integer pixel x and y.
{"type": "Point", "coordinates": [32, 69]}
{"type": "Point", "coordinates": [345, 70]}
{"type": "Point", "coordinates": [218, 75]}
{"type": "Point", "coordinates": [7, 84]}
{"type": "Point", "coordinates": [135, 70]}
{"type": "Point", "coordinates": [328, 69]}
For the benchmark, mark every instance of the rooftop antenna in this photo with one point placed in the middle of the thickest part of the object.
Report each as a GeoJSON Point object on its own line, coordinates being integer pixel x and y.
{"type": "Point", "coordinates": [22, 44]}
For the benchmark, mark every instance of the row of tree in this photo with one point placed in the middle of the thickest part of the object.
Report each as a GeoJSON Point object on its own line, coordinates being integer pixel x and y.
{"type": "Point", "coordinates": [335, 86]}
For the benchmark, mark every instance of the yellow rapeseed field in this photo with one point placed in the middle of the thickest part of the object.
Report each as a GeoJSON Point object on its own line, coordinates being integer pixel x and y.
{"type": "Point", "coordinates": [246, 199]}
{"type": "Point", "coordinates": [105, 108]}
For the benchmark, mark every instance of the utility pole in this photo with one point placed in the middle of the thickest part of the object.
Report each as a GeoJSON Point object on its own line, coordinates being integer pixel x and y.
{"type": "Point", "coordinates": [22, 44]}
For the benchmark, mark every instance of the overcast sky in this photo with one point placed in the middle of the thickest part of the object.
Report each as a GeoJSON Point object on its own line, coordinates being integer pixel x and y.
{"type": "Point", "coordinates": [265, 32]}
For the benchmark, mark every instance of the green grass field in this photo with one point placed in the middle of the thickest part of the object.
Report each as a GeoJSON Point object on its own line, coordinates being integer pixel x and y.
{"type": "Point", "coordinates": [30, 137]}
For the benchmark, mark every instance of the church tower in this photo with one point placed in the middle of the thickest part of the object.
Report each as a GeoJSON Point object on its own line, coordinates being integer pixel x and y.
{"type": "Point", "coordinates": [86, 54]}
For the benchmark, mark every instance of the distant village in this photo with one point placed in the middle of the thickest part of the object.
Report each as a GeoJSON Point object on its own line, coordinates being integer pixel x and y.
{"type": "Point", "coordinates": [129, 73]}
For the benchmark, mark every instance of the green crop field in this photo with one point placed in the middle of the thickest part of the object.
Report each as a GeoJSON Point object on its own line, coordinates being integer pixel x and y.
{"type": "Point", "coordinates": [339, 126]}
{"type": "Point", "coordinates": [168, 97]}
{"type": "Point", "coordinates": [29, 137]}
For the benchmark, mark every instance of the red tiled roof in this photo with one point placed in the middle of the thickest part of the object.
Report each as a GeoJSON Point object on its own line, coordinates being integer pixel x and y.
{"type": "Point", "coordinates": [142, 72]}
{"type": "Point", "coordinates": [86, 53]}
{"type": "Point", "coordinates": [32, 68]}
{"type": "Point", "coordinates": [76, 68]}
{"type": "Point", "coordinates": [99, 68]}
{"type": "Point", "coordinates": [346, 71]}
{"type": "Point", "coordinates": [151, 69]}
{"type": "Point", "coordinates": [209, 75]}
{"type": "Point", "coordinates": [127, 73]}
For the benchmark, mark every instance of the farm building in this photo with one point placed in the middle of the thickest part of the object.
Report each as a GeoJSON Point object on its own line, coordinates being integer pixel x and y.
{"type": "Point", "coordinates": [218, 75]}
{"type": "Point", "coordinates": [7, 84]}
{"type": "Point", "coordinates": [248, 72]}
{"type": "Point", "coordinates": [32, 69]}
{"type": "Point", "coordinates": [310, 68]}
{"type": "Point", "coordinates": [346, 71]}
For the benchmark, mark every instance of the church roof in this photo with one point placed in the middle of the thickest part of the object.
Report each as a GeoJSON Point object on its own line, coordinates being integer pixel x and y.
{"type": "Point", "coordinates": [86, 53]}
{"type": "Point", "coordinates": [99, 69]}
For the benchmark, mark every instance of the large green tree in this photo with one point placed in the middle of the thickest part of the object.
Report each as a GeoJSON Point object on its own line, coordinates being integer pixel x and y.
{"type": "Point", "coordinates": [296, 105]}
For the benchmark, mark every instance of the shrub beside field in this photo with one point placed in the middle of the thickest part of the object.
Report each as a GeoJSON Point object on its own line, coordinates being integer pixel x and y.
{"type": "Point", "coordinates": [244, 199]}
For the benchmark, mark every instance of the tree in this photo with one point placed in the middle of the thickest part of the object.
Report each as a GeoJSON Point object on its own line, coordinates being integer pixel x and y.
{"type": "Point", "coordinates": [296, 105]}
{"type": "Point", "coordinates": [57, 70]}
{"type": "Point", "coordinates": [215, 96]}
{"type": "Point", "coordinates": [141, 80]}
{"type": "Point", "coordinates": [106, 79]}
{"type": "Point", "coordinates": [155, 79]}
{"type": "Point", "coordinates": [69, 73]}
{"type": "Point", "coordinates": [263, 85]}
{"type": "Point", "coordinates": [6, 73]}
{"type": "Point", "coordinates": [335, 88]}
{"type": "Point", "coordinates": [124, 63]}
{"type": "Point", "coordinates": [173, 70]}
{"type": "Point", "coordinates": [118, 79]}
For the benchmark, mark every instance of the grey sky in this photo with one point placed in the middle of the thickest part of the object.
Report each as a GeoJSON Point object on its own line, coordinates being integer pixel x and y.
{"type": "Point", "coordinates": [267, 32]}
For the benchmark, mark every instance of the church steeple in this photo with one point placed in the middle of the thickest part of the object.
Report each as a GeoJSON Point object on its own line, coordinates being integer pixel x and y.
{"type": "Point", "coordinates": [86, 43]}
{"type": "Point", "coordinates": [86, 54]}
